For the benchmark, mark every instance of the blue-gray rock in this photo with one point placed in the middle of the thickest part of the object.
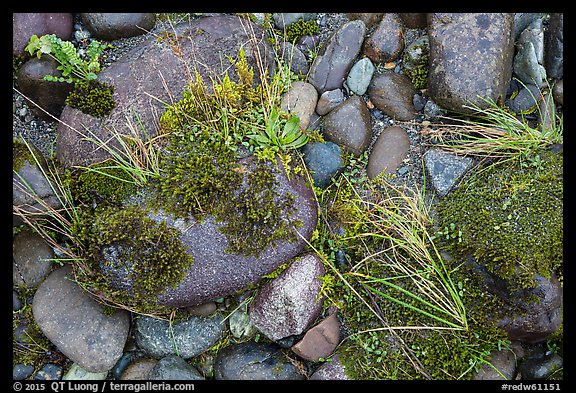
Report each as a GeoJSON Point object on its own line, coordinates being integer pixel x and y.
{"type": "Point", "coordinates": [24, 25]}
{"type": "Point", "coordinates": [554, 46]}
{"type": "Point", "coordinates": [360, 76]}
{"type": "Point", "coordinates": [526, 65]}
{"type": "Point", "coordinates": [329, 100]}
{"type": "Point", "coordinates": [324, 160]}
{"type": "Point", "coordinates": [121, 364]}
{"type": "Point", "coordinates": [111, 26]}
{"type": "Point", "coordinates": [49, 372]}
{"type": "Point", "coordinates": [240, 324]}
{"type": "Point", "coordinates": [445, 169]}
{"type": "Point", "coordinates": [333, 62]}
{"type": "Point", "coordinates": [522, 20]}
{"type": "Point", "coordinates": [386, 42]}
{"type": "Point", "coordinates": [16, 303]}
{"type": "Point", "coordinates": [78, 325]}
{"type": "Point", "coordinates": [283, 20]}
{"type": "Point", "coordinates": [471, 58]}
{"type": "Point", "coordinates": [290, 303]}
{"type": "Point", "coordinates": [349, 125]}
{"type": "Point", "coordinates": [389, 150]}
{"type": "Point", "coordinates": [533, 33]}
{"type": "Point", "coordinates": [49, 96]}
{"type": "Point", "coordinates": [541, 367]}
{"type": "Point", "coordinates": [174, 368]}
{"type": "Point", "coordinates": [30, 259]}
{"type": "Point", "coordinates": [254, 361]}
{"type": "Point", "coordinates": [186, 338]}
{"type": "Point", "coordinates": [32, 192]}
{"type": "Point", "coordinates": [154, 69]}
{"type": "Point", "coordinates": [393, 94]}
{"type": "Point", "coordinates": [22, 371]}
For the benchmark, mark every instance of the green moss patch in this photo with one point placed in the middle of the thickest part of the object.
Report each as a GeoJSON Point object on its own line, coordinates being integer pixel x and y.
{"type": "Point", "coordinates": [93, 98]}
{"type": "Point", "coordinates": [511, 219]}
{"type": "Point", "coordinates": [149, 252]}
{"type": "Point", "coordinates": [301, 28]}
{"type": "Point", "coordinates": [102, 182]}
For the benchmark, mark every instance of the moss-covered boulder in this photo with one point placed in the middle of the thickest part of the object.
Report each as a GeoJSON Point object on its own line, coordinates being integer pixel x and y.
{"type": "Point", "coordinates": [155, 72]}
{"type": "Point", "coordinates": [507, 224]}
{"type": "Point", "coordinates": [149, 254]}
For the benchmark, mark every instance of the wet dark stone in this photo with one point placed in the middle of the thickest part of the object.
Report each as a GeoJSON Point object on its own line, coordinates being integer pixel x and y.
{"type": "Point", "coordinates": [254, 361]}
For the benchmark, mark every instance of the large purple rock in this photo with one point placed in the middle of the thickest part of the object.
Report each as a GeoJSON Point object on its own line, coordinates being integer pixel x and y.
{"type": "Point", "coordinates": [217, 272]}
{"type": "Point", "coordinates": [156, 72]}
{"type": "Point", "coordinates": [24, 25]}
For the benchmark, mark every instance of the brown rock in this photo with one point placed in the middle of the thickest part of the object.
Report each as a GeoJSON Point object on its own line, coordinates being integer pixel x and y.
{"type": "Point", "coordinates": [320, 341]}
{"type": "Point", "coordinates": [349, 125]}
{"type": "Point", "coordinates": [386, 42]}
{"type": "Point", "coordinates": [369, 18]}
{"type": "Point", "coordinates": [388, 151]}
{"type": "Point", "coordinates": [414, 20]}
{"type": "Point", "coordinates": [300, 100]}
{"type": "Point", "coordinates": [393, 94]}
{"type": "Point", "coordinates": [139, 369]}
{"type": "Point", "coordinates": [49, 96]}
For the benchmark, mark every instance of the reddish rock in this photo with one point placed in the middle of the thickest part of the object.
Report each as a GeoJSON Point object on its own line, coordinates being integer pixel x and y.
{"type": "Point", "coordinates": [289, 304]}
{"type": "Point", "coordinates": [386, 42]}
{"type": "Point", "coordinates": [320, 341]}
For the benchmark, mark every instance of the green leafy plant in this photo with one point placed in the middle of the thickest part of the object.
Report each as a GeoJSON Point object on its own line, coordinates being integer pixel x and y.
{"type": "Point", "coordinates": [73, 67]}
{"type": "Point", "coordinates": [278, 137]}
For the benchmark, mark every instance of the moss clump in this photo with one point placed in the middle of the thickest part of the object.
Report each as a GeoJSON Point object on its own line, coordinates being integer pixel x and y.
{"type": "Point", "coordinates": [258, 213]}
{"type": "Point", "coordinates": [21, 154]}
{"type": "Point", "coordinates": [300, 28]}
{"type": "Point", "coordinates": [415, 60]}
{"type": "Point", "coordinates": [149, 254]}
{"type": "Point", "coordinates": [102, 182]}
{"type": "Point", "coordinates": [511, 219]}
{"type": "Point", "coordinates": [30, 345]}
{"type": "Point", "coordinates": [93, 98]}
